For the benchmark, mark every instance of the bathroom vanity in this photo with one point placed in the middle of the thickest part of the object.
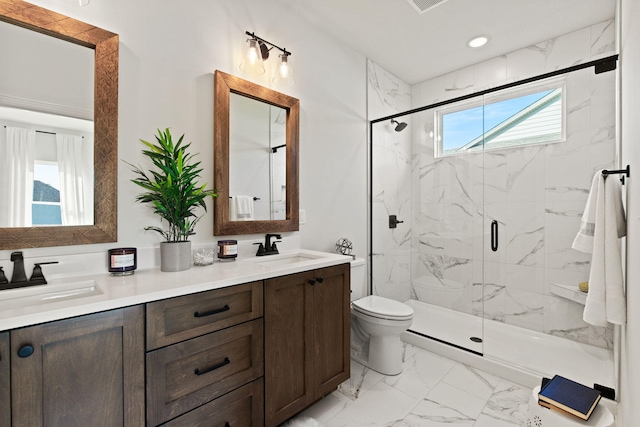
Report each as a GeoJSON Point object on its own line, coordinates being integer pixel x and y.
{"type": "Point", "coordinates": [247, 343]}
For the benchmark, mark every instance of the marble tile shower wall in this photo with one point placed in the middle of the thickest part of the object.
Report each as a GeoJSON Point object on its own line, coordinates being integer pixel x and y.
{"type": "Point", "coordinates": [536, 193]}
{"type": "Point", "coordinates": [388, 95]}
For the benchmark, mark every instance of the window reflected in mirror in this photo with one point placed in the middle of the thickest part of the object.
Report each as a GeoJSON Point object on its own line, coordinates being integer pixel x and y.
{"type": "Point", "coordinates": [48, 174]}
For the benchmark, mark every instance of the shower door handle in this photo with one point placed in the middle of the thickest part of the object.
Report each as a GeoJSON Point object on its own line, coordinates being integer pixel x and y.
{"type": "Point", "coordinates": [494, 235]}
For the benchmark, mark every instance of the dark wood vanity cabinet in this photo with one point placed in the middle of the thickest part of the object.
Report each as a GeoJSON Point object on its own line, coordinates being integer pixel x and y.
{"type": "Point", "coordinates": [83, 371]}
{"type": "Point", "coordinates": [307, 335]}
{"type": "Point", "coordinates": [247, 355]}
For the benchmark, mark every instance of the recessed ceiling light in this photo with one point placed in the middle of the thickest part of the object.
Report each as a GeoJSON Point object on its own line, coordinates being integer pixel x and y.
{"type": "Point", "coordinates": [478, 41]}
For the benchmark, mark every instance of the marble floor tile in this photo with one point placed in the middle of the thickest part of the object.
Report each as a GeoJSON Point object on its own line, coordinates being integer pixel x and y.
{"type": "Point", "coordinates": [509, 402]}
{"type": "Point", "coordinates": [487, 421]}
{"type": "Point", "coordinates": [430, 413]}
{"type": "Point", "coordinates": [381, 406]}
{"type": "Point", "coordinates": [432, 391]}
{"type": "Point", "coordinates": [448, 396]}
{"type": "Point", "coordinates": [327, 407]}
{"type": "Point", "coordinates": [474, 381]}
{"type": "Point", "coordinates": [420, 374]}
{"type": "Point", "coordinates": [362, 379]}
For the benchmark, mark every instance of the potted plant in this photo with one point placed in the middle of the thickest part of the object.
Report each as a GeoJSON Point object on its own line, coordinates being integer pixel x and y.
{"type": "Point", "coordinates": [174, 193]}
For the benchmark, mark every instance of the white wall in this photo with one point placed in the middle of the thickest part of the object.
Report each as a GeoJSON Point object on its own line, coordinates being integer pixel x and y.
{"type": "Point", "coordinates": [630, 88]}
{"type": "Point", "coordinates": [168, 53]}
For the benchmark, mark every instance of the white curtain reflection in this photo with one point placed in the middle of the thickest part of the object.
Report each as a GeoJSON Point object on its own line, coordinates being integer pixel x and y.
{"type": "Point", "coordinates": [17, 177]}
{"type": "Point", "coordinates": [75, 181]}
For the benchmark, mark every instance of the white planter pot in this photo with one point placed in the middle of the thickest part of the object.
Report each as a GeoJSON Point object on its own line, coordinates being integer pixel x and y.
{"type": "Point", "coordinates": [175, 256]}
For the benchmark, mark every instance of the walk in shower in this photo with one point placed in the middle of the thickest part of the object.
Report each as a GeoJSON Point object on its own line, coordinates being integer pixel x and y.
{"type": "Point", "coordinates": [474, 206]}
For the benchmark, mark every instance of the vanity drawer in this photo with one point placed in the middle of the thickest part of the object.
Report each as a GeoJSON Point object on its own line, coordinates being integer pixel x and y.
{"type": "Point", "coordinates": [186, 375]}
{"type": "Point", "coordinates": [178, 319]}
{"type": "Point", "coordinates": [243, 407]}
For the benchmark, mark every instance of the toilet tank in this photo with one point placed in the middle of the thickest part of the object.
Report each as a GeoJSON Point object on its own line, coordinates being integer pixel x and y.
{"type": "Point", "coordinates": [358, 279]}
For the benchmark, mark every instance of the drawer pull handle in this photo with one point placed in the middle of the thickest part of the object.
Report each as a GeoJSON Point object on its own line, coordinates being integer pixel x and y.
{"type": "Point", "coordinates": [320, 279]}
{"type": "Point", "coordinates": [25, 351]}
{"type": "Point", "coordinates": [312, 281]}
{"type": "Point", "coordinates": [227, 424]}
{"type": "Point", "coordinates": [209, 313]}
{"type": "Point", "coordinates": [212, 368]}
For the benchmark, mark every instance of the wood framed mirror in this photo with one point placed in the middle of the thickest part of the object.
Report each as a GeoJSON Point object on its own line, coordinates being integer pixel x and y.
{"type": "Point", "coordinates": [105, 165]}
{"type": "Point", "coordinates": [228, 167]}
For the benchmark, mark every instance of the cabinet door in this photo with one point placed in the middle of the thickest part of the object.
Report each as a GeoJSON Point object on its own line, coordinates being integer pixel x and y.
{"type": "Point", "coordinates": [5, 381]}
{"type": "Point", "coordinates": [288, 344]}
{"type": "Point", "coordinates": [331, 331]}
{"type": "Point", "coordinates": [84, 371]}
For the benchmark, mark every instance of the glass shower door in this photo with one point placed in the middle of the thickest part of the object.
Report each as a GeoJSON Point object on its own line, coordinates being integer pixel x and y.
{"type": "Point", "coordinates": [433, 259]}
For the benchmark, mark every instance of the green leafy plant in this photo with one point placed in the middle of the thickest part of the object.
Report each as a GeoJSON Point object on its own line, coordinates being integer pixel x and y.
{"type": "Point", "coordinates": [172, 188]}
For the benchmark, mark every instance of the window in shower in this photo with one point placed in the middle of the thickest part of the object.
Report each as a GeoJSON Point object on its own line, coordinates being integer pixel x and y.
{"type": "Point", "coordinates": [531, 114]}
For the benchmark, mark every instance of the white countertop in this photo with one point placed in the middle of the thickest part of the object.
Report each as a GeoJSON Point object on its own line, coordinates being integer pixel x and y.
{"type": "Point", "coordinates": [149, 285]}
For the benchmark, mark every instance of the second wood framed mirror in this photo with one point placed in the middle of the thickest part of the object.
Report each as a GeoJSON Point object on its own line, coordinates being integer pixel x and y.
{"type": "Point", "coordinates": [255, 158]}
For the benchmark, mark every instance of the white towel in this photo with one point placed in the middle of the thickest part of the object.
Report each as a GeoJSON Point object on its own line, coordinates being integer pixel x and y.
{"type": "Point", "coordinates": [241, 208]}
{"type": "Point", "coordinates": [603, 223]}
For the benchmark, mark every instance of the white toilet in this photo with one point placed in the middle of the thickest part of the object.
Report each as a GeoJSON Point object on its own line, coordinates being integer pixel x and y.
{"type": "Point", "coordinates": [383, 319]}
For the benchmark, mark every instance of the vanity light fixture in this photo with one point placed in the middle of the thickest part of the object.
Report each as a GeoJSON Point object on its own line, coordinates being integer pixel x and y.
{"type": "Point", "coordinates": [258, 51]}
{"type": "Point", "coordinates": [478, 41]}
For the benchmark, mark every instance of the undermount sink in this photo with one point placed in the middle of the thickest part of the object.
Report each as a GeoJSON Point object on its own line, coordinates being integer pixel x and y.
{"type": "Point", "coordinates": [47, 294]}
{"type": "Point", "coordinates": [287, 259]}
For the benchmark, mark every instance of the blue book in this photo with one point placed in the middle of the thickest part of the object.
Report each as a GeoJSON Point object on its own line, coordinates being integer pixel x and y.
{"type": "Point", "coordinates": [570, 396]}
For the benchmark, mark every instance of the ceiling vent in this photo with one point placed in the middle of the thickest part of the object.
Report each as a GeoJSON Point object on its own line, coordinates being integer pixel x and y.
{"type": "Point", "coordinates": [421, 6]}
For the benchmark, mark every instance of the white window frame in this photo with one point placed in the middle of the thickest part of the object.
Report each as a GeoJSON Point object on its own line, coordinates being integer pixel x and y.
{"type": "Point", "coordinates": [498, 96]}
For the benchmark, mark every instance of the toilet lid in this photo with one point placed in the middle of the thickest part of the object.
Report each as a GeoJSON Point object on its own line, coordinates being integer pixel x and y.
{"type": "Point", "coordinates": [376, 306]}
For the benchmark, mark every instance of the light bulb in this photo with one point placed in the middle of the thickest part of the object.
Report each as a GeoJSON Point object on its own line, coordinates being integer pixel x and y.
{"type": "Point", "coordinates": [252, 62]}
{"type": "Point", "coordinates": [284, 73]}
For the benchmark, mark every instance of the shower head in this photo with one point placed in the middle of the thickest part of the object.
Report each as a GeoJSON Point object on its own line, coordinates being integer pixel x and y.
{"type": "Point", "coordinates": [399, 125]}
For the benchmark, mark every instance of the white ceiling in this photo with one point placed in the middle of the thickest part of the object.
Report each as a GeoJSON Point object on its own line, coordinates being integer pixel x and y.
{"type": "Point", "coordinates": [416, 47]}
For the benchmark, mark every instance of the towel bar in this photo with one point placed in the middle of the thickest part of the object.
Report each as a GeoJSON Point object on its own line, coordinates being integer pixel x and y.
{"type": "Point", "coordinates": [254, 198]}
{"type": "Point", "coordinates": [626, 171]}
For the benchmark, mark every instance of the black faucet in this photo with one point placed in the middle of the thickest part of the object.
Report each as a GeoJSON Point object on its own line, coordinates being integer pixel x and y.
{"type": "Point", "coordinates": [19, 277]}
{"type": "Point", "coordinates": [268, 248]}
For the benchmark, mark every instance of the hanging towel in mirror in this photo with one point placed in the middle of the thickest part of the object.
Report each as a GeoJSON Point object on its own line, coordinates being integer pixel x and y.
{"type": "Point", "coordinates": [603, 223]}
{"type": "Point", "coordinates": [241, 208]}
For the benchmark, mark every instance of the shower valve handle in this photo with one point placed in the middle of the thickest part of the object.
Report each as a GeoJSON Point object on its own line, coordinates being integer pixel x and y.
{"type": "Point", "coordinates": [393, 221]}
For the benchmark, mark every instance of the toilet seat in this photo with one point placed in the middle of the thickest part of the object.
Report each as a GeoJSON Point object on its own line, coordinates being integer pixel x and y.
{"type": "Point", "coordinates": [383, 308]}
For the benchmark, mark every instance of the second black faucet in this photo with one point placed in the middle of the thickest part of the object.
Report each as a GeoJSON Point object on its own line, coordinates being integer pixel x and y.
{"type": "Point", "coordinates": [268, 248]}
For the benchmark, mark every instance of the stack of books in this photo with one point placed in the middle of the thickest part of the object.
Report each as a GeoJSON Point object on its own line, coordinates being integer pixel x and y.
{"type": "Point", "coordinates": [568, 397]}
